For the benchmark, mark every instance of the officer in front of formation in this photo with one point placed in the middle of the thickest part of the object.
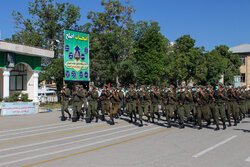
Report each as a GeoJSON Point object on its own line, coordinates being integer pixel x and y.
{"type": "Point", "coordinates": [65, 96]}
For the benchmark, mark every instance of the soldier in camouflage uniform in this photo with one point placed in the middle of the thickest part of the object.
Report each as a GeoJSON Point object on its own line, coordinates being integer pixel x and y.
{"type": "Point", "coordinates": [171, 105]}
{"type": "Point", "coordinates": [232, 105]}
{"type": "Point", "coordinates": [202, 108]}
{"type": "Point", "coordinates": [77, 103]}
{"type": "Point", "coordinates": [115, 104]}
{"type": "Point", "coordinates": [242, 103]}
{"type": "Point", "coordinates": [154, 108]}
{"type": "Point", "coordinates": [143, 104]}
{"type": "Point", "coordinates": [188, 104]}
{"type": "Point", "coordinates": [65, 95]}
{"type": "Point", "coordinates": [180, 107]}
{"type": "Point", "coordinates": [220, 97]}
{"type": "Point", "coordinates": [92, 107]}
{"type": "Point", "coordinates": [105, 95]}
{"type": "Point", "coordinates": [131, 98]}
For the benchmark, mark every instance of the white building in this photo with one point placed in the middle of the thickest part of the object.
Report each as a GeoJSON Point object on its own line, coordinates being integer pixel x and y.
{"type": "Point", "coordinates": [19, 68]}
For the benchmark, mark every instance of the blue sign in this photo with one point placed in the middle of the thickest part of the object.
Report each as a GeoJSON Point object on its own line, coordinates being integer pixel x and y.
{"type": "Point", "coordinates": [67, 48]}
{"type": "Point", "coordinates": [18, 108]}
{"type": "Point", "coordinates": [67, 74]}
{"type": "Point", "coordinates": [81, 74]}
{"type": "Point", "coordinates": [86, 74]}
{"type": "Point", "coordinates": [71, 55]}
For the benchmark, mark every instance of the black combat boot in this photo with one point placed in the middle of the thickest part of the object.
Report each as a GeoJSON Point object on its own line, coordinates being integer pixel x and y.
{"type": "Point", "coordinates": [148, 119]}
{"type": "Point", "coordinates": [131, 119]}
{"type": "Point", "coordinates": [103, 118]}
{"type": "Point", "coordinates": [69, 115]}
{"type": "Point", "coordinates": [141, 124]}
{"type": "Point", "coordinates": [96, 119]}
{"type": "Point", "coordinates": [153, 121]}
{"type": "Point", "coordinates": [208, 123]}
{"type": "Point", "coordinates": [63, 118]}
{"type": "Point", "coordinates": [88, 120]}
{"type": "Point", "coordinates": [159, 116]}
{"type": "Point", "coordinates": [112, 122]}
{"type": "Point", "coordinates": [182, 126]}
{"type": "Point", "coordinates": [74, 119]}
{"type": "Point", "coordinates": [200, 127]}
{"type": "Point", "coordinates": [224, 126]}
{"type": "Point", "coordinates": [235, 122]}
{"type": "Point", "coordinates": [229, 123]}
{"type": "Point", "coordinates": [195, 123]}
{"type": "Point", "coordinates": [217, 127]}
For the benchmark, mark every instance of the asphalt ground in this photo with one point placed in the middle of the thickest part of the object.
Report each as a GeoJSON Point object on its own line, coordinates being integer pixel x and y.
{"type": "Point", "coordinates": [42, 140]}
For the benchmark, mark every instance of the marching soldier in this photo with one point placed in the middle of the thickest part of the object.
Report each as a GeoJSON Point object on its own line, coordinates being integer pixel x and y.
{"type": "Point", "coordinates": [232, 105]}
{"type": "Point", "coordinates": [131, 100]}
{"type": "Point", "coordinates": [242, 103]}
{"type": "Point", "coordinates": [188, 104]}
{"type": "Point", "coordinates": [65, 95]}
{"type": "Point", "coordinates": [171, 105]}
{"type": "Point", "coordinates": [155, 99]}
{"type": "Point", "coordinates": [180, 109]}
{"type": "Point", "coordinates": [92, 107]}
{"type": "Point", "coordinates": [105, 95]}
{"type": "Point", "coordinates": [202, 108]}
{"type": "Point", "coordinates": [220, 106]}
{"type": "Point", "coordinates": [115, 104]}
{"type": "Point", "coordinates": [143, 104]}
{"type": "Point", "coordinates": [77, 103]}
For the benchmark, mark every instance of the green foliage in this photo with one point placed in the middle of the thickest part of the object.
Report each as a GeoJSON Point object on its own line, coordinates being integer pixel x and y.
{"type": "Point", "coordinates": [12, 98]}
{"type": "Point", "coordinates": [111, 42]}
{"type": "Point", "coordinates": [47, 21]}
{"type": "Point", "coordinates": [17, 96]}
{"type": "Point", "coordinates": [122, 52]}
{"type": "Point", "coordinates": [25, 97]}
{"type": "Point", "coordinates": [231, 62]}
{"type": "Point", "coordinates": [151, 48]}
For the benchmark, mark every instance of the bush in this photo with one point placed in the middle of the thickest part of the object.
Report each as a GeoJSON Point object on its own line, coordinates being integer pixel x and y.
{"type": "Point", "coordinates": [15, 97]}
{"type": "Point", "coordinates": [25, 97]}
{"type": "Point", "coordinates": [1, 99]}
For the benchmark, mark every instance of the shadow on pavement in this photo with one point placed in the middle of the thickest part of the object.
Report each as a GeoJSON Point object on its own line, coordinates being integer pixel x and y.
{"type": "Point", "coordinates": [244, 130]}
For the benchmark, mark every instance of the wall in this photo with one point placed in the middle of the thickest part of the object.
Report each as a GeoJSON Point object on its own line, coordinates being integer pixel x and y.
{"type": "Point", "coordinates": [34, 62]}
{"type": "Point", "coordinates": [247, 59]}
{"type": "Point", "coordinates": [2, 59]}
{"type": "Point", "coordinates": [1, 83]}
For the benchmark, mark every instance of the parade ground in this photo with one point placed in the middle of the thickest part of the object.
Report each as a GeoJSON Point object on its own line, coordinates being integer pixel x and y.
{"type": "Point", "coordinates": [42, 140]}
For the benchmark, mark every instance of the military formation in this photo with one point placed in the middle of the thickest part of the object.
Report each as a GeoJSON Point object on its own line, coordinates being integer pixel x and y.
{"type": "Point", "coordinates": [197, 106]}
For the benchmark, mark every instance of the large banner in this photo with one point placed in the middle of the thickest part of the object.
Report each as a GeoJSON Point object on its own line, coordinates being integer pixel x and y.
{"type": "Point", "coordinates": [76, 56]}
{"type": "Point", "coordinates": [18, 108]}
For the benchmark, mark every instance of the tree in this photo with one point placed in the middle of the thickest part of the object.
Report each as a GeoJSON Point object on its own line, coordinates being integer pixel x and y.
{"type": "Point", "coordinates": [111, 37]}
{"type": "Point", "coordinates": [47, 22]}
{"type": "Point", "coordinates": [231, 62]}
{"type": "Point", "coordinates": [185, 62]}
{"type": "Point", "coordinates": [151, 48]}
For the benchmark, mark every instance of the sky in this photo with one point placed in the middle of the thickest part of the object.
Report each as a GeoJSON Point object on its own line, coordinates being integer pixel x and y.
{"type": "Point", "coordinates": [210, 22]}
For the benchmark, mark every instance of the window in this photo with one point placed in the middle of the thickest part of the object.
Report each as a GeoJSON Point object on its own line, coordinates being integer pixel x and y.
{"type": "Point", "coordinates": [243, 61]}
{"type": "Point", "coordinates": [242, 78]}
{"type": "Point", "coordinates": [18, 78]}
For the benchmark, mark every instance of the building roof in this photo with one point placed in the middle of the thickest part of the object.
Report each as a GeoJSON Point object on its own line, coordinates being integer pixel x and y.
{"type": "Point", "coordinates": [244, 48]}
{"type": "Point", "coordinates": [25, 50]}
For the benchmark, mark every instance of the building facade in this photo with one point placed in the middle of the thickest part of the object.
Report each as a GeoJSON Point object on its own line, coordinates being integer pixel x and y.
{"type": "Point", "coordinates": [19, 69]}
{"type": "Point", "coordinates": [244, 52]}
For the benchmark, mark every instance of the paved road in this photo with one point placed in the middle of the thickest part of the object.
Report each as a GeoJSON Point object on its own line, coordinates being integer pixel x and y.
{"type": "Point", "coordinates": [42, 140]}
